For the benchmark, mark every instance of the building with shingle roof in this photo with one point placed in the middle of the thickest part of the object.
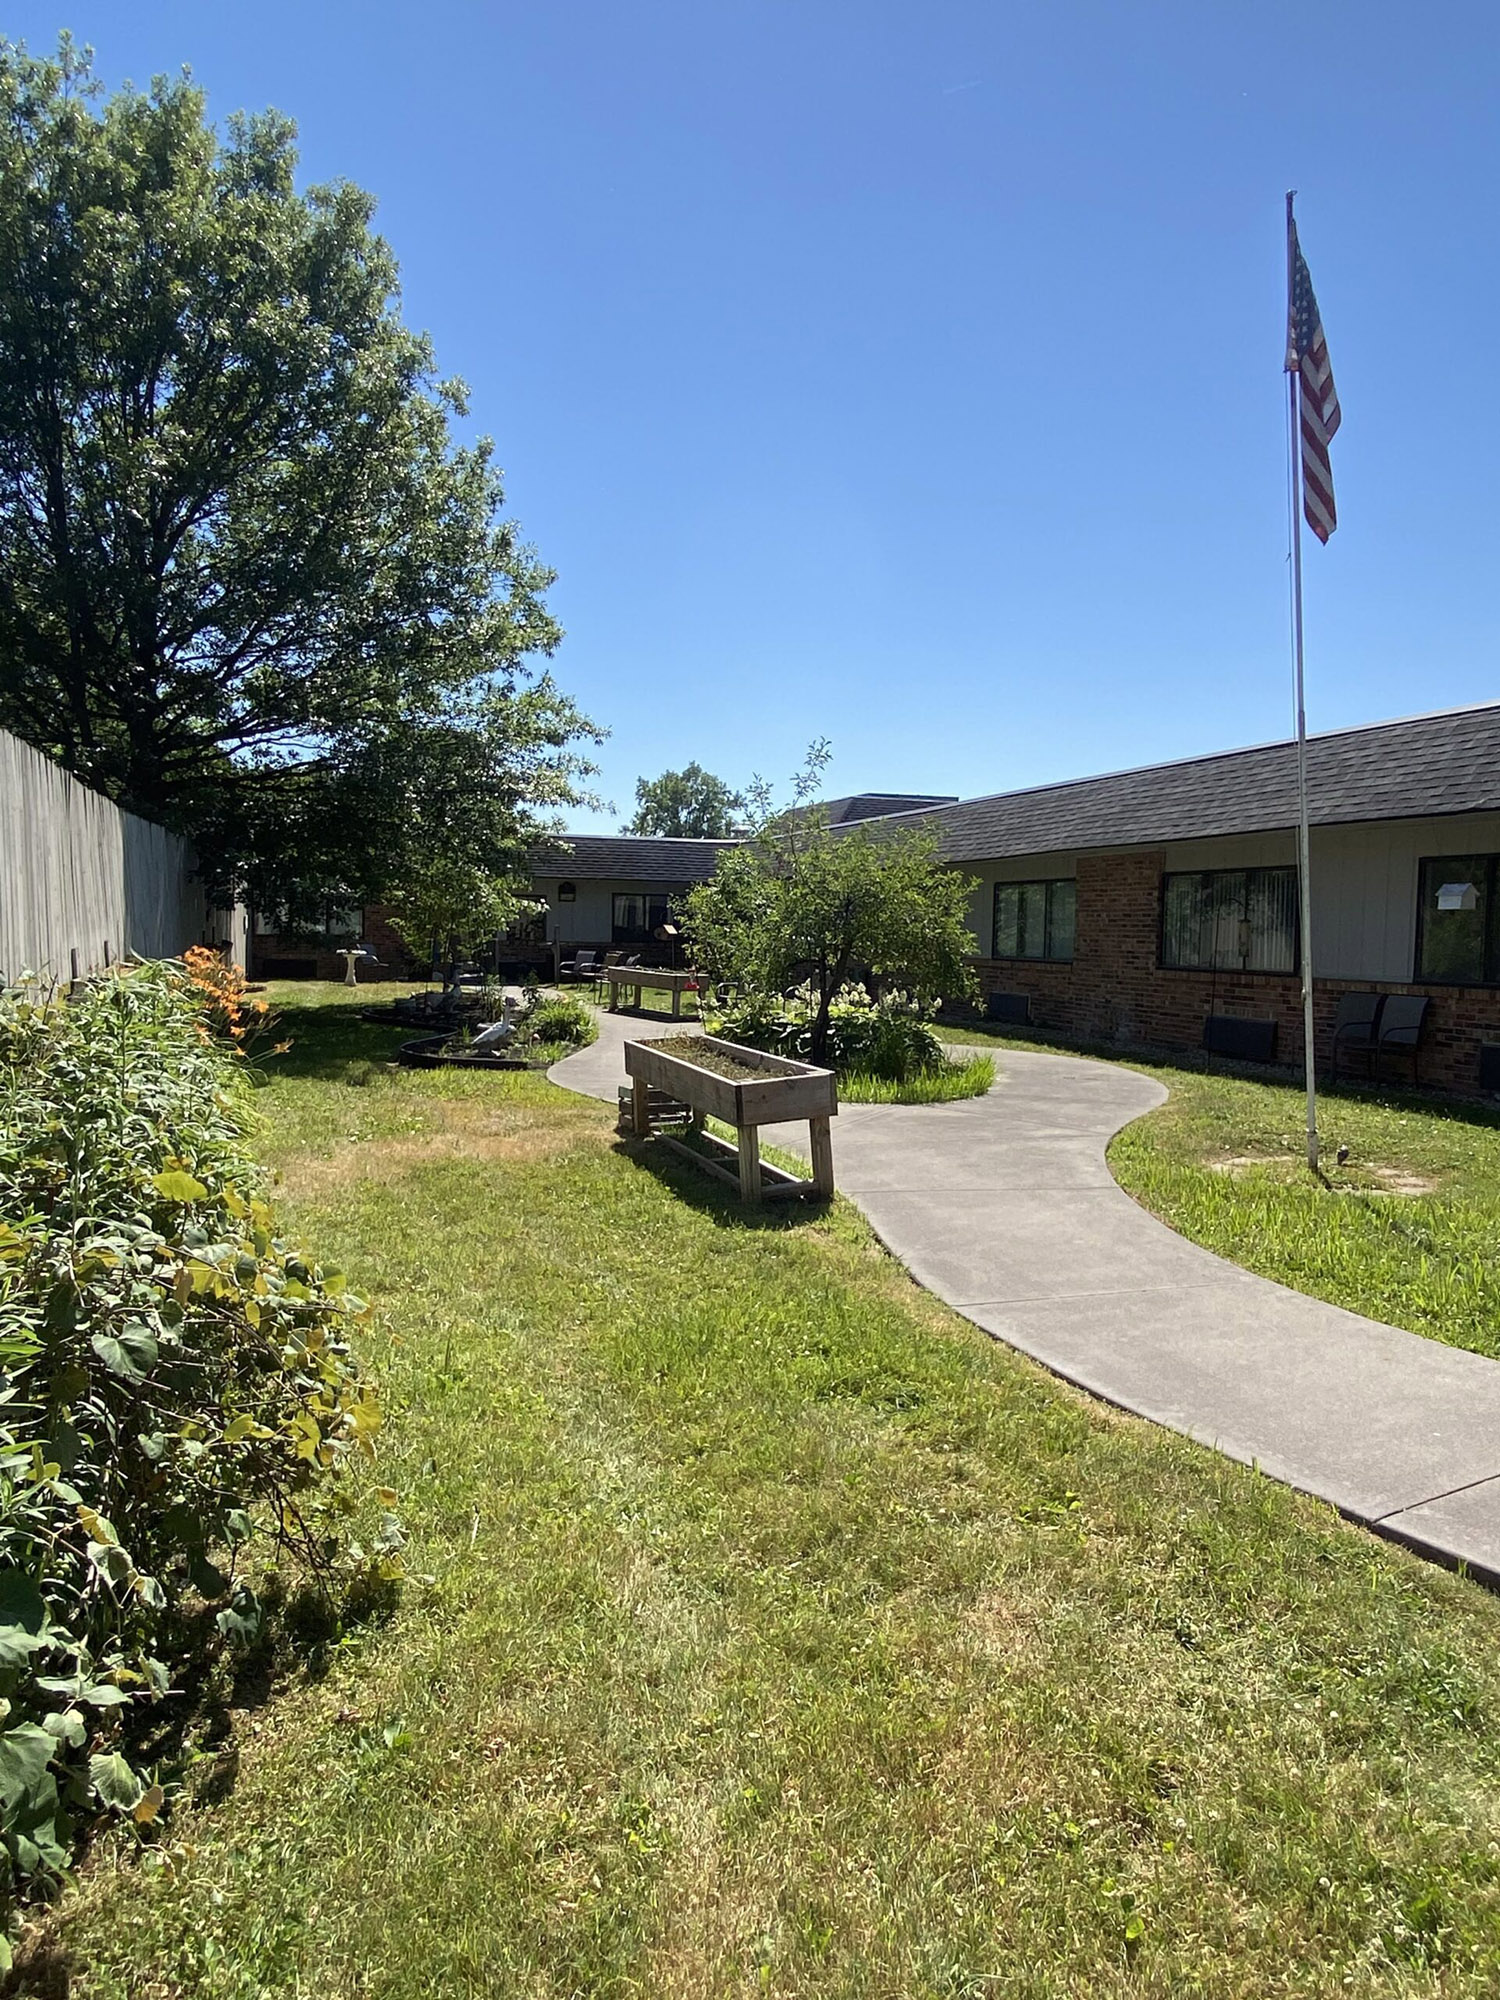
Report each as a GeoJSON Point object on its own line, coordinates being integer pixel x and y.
{"type": "Point", "coordinates": [1159, 907]}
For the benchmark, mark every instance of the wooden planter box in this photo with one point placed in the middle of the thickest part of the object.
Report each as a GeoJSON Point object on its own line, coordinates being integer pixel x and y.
{"type": "Point", "coordinates": [623, 979]}
{"type": "Point", "coordinates": [781, 1092]}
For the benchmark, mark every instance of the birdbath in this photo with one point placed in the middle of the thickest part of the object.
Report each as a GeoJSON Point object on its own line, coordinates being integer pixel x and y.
{"type": "Point", "coordinates": [351, 958]}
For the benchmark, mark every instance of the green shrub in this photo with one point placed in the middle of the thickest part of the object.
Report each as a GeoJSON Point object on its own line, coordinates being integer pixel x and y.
{"type": "Point", "coordinates": [176, 1387]}
{"type": "Point", "coordinates": [888, 1039]}
{"type": "Point", "coordinates": [559, 1017]}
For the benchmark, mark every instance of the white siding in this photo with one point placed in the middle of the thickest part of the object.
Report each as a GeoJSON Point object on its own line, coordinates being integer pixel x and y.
{"type": "Point", "coordinates": [590, 920]}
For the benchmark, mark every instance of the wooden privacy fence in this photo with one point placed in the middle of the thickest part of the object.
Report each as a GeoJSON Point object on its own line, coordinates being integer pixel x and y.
{"type": "Point", "coordinates": [82, 883]}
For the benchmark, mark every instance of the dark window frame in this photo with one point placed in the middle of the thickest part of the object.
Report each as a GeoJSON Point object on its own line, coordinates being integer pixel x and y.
{"type": "Point", "coordinates": [1490, 941]}
{"type": "Point", "coordinates": [1238, 969]}
{"type": "Point", "coordinates": [623, 934]}
{"type": "Point", "coordinates": [1049, 883]}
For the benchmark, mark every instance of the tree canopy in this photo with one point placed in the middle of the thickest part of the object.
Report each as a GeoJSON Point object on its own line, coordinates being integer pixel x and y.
{"type": "Point", "coordinates": [691, 804]}
{"type": "Point", "coordinates": [800, 902]}
{"type": "Point", "coordinates": [250, 585]}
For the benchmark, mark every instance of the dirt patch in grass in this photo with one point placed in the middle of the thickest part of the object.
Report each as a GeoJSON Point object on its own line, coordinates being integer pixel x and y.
{"type": "Point", "coordinates": [1401, 1180]}
{"type": "Point", "coordinates": [465, 1129]}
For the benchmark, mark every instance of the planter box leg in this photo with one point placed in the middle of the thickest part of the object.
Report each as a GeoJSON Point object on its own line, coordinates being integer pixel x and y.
{"type": "Point", "coordinates": [676, 1003]}
{"type": "Point", "coordinates": [640, 1108]}
{"type": "Point", "coordinates": [821, 1136]}
{"type": "Point", "coordinates": [749, 1143]}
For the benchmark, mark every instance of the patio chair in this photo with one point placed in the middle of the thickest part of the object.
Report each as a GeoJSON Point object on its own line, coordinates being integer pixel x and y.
{"type": "Point", "coordinates": [581, 966]}
{"type": "Point", "coordinates": [1402, 1019]}
{"type": "Point", "coordinates": [1356, 1027]}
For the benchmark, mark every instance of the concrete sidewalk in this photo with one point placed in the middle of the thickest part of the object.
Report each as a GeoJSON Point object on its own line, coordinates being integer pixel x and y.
{"type": "Point", "coordinates": [1004, 1207]}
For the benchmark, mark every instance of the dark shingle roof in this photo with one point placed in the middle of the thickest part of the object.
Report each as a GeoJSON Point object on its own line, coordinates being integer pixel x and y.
{"type": "Point", "coordinates": [878, 805]}
{"type": "Point", "coordinates": [630, 858]}
{"type": "Point", "coordinates": [1428, 764]}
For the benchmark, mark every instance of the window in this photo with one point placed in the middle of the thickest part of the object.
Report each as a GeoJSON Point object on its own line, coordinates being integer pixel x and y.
{"type": "Point", "coordinates": [1035, 919]}
{"type": "Point", "coordinates": [637, 916]}
{"type": "Point", "coordinates": [338, 926]}
{"type": "Point", "coordinates": [1458, 924]}
{"type": "Point", "coordinates": [1231, 920]}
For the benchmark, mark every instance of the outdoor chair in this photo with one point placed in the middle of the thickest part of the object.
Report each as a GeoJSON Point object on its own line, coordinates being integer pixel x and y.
{"type": "Point", "coordinates": [580, 967]}
{"type": "Point", "coordinates": [1356, 1027]}
{"type": "Point", "coordinates": [1402, 1019]}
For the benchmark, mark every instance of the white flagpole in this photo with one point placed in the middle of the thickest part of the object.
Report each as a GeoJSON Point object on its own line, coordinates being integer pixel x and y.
{"type": "Point", "coordinates": [1304, 863]}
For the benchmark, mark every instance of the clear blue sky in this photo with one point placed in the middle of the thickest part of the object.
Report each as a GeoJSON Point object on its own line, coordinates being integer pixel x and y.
{"type": "Point", "coordinates": [911, 375]}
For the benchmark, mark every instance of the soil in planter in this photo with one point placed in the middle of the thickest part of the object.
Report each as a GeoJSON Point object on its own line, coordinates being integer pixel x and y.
{"type": "Point", "coordinates": [693, 1049]}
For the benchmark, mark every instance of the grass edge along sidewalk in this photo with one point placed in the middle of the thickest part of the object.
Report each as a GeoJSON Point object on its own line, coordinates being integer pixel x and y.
{"type": "Point", "coordinates": [1402, 1231]}
{"type": "Point", "coordinates": [785, 1634]}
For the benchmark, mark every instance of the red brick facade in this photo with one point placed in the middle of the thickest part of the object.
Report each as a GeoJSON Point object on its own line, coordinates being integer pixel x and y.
{"type": "Point", "coordinates": [1116, 990]}
{"type": "Point", "coordinates": [291, 958]}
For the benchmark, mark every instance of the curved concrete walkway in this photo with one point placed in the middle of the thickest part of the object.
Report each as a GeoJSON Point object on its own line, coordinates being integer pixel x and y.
{"type": "Point", "coordinates": [1004, 1207]}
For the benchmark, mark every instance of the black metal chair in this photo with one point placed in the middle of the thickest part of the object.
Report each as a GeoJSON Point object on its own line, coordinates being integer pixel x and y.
{"type": "Point", "coordinates": [1402, 1019]}
{"type": "Point", "coordinates": [1356, 1027]}
{"type": "Point", "coordinates": [579, 967]}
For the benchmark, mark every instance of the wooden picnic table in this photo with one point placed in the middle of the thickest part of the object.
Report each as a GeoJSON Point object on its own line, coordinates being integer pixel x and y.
{"type": "Point", "coordinates": [621, 978]}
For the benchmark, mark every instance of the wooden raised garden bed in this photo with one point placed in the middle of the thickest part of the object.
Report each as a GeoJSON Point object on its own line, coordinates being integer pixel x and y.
{"type": "Point", "coordinates": [746, 1089]}
{"type": "Point", "coordinates": [623, 979]}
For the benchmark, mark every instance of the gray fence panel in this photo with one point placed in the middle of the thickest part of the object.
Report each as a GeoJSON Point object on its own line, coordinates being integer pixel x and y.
{"type": "Point", "coordinates": [77, 875]}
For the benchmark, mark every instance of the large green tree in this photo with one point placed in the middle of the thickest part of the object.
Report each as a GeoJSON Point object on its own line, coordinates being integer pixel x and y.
{"type": "Point", "coordinates": [803, 902]}
{"type": "Point", "coordinates": [250, 585]}
{"type": "Point", "coordinates": [691, 803]}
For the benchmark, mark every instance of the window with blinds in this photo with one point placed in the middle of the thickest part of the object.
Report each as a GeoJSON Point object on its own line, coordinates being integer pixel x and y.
{"type": "Point", "coordinates": [1230, 920]}
{"type": "Point", "coordinates": [1035, 919]}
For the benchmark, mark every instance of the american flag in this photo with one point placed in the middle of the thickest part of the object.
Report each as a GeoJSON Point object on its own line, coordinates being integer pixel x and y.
{"type": "Point", "coordinates": [1307, 354]}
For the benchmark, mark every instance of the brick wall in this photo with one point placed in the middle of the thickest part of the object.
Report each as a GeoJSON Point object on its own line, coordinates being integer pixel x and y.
{"type": "Point", "coordinates": [396, 961]}
{"type": "Point", "coordinates": [1116, 991]}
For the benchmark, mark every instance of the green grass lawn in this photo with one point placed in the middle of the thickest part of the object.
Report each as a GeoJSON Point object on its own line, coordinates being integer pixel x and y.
{"type": "Point", "coordinates": [1406, 1230]}
{"type": "Point", "coordinates": [771, 1631]}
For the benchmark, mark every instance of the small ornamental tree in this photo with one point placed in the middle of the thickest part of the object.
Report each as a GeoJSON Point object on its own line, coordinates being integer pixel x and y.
{"type": "Point", "coordinates": [689, 804]}
{"type": "Point", "coordinates": [455, 909]}
{"type": "Point", "coordinates": [800, 902]}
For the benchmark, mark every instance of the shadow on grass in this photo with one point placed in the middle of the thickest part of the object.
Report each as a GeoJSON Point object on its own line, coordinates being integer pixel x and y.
{"type": "Point", "coordinates": [1194, 1062]}
{"type": "Point", "coordinates": [325, 1041]}
{"type": "Point", "coordinates": [190, 1742]}
{"type": "Point", "coordinates": [714, 1198]}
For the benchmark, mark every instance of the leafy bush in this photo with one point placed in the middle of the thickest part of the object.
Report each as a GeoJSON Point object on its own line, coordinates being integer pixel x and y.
{"type": "Point", "coordinates": [559, 1017]}
{"type": "Point", "coordinates": [888, 1038]}
{"type": "Point", "coordinates": [176, 1384]}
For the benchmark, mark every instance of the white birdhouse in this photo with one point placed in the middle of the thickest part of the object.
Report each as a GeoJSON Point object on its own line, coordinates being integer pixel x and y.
{"type": "Point", "coordinates": [1458, 896]}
